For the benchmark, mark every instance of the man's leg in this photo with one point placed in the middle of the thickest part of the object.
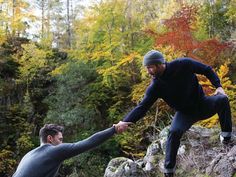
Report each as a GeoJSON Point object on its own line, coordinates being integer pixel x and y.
{"type": "Point", "coordinates": [180, 124]}
{"type": "Point", "coordinates": [224, 113]}
{"type": "Point", "coordinates": [218, 104]}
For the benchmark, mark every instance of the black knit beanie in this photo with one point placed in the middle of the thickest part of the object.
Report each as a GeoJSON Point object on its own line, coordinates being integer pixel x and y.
{"type": "Point", "coordinates": [153, 57]}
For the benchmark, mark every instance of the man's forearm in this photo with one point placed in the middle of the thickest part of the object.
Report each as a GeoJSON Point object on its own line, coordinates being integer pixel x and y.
{"type": "Point", "coordinates": [68, 150]}
{"type": "Point", "coordinates": [96, 139]}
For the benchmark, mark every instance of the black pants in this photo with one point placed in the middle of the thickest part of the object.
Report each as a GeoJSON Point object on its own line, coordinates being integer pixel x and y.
{"type": "Point", "coordinates": [209, 106]}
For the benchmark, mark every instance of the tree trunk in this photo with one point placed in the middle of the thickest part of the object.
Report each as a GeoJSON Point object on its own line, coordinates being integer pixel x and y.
{"type": "Point", "coordinates": [68, 24]}
{"type": "Point", "coordinates": [43, 18]}
{"type": "Point", "coordinates": [13, 16]}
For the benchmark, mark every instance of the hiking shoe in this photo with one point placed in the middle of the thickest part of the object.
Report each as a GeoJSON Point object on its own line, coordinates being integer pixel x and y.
{"type": "Point", "coordinates": [169, 174]}
{"type": "Point", "coordinates": [226, 140]}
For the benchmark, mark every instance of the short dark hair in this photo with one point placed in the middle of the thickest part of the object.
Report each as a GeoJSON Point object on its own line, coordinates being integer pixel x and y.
{"type": "Point", "coordinates": [49, 129]}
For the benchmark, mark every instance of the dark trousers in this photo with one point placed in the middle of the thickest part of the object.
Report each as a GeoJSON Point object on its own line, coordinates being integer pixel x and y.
{"type": "Point", "coordinates": [209, 106]}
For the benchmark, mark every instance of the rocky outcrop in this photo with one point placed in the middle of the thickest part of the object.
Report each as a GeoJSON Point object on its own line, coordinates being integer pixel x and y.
{"type": "Point", "coordinates": [200, 155]}
{"type": "Point", "coordinates": [224, 164]}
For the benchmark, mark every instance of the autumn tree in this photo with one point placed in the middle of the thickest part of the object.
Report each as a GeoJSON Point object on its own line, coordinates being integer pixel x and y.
{"type": "Point", "coordinates": [16, 16]}
{"type": "Point", "coordinates": [218, 18]}
{"type": "Point", "coordinates": [181, 28]}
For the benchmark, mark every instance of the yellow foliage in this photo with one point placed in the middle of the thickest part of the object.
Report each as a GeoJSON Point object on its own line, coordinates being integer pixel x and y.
{"type": "Point", "coordinates": [166, 9]}
{"type": "Point", "coordinates": [32, 60]}
{"type": "Point", "coordinates": [3, 37]}
{"type": "Point", "coordinates": [209, 123]}
{"type": "Point", "coordinates": [47, 40]}
{"type": "Point", "coordinates": [170, 53]}
{"type": "Point", "coordinates": [59, 70]}
{"type": "Point", "coordinates": [131, 139]}
{"type": "Point", "coordinates": [119, 69]}
{"type": "Point", "coordinates": [7, 161]}
{"type": "Point", "coordinates": [24, 143]}
{"type": "Point", "coordinates": [15, 21]}
{"type": "Point", "coordinates": [138, 91]}
{"type": "Point", "coordinates": [100, 54]}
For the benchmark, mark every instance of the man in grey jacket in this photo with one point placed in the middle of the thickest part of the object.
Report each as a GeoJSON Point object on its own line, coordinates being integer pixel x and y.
{"type": "Point", "coordinates": [45, 160]}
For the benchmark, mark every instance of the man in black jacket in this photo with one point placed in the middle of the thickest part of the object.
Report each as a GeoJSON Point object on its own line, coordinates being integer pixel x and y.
{"type": "Point", "coordinates": [177, 84]}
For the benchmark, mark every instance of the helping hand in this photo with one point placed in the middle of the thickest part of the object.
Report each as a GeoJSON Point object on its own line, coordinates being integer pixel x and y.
{"type": "Point", "coordinates": [122, 126]}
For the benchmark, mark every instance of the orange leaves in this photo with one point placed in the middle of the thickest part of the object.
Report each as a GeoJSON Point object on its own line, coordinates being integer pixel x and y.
{"type": "Point", "coordinates": [179, 35]}
{"type": "Point", "coordinates": [183, 19]}
{"type": "Point", "coordinates": [210, 50]}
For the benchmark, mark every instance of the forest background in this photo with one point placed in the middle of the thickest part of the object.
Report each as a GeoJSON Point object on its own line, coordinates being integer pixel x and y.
{"type": "Point", "coordinates": [80, 65]}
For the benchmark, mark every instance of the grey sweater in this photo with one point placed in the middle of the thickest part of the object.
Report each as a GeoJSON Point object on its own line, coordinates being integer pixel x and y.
{"type": "Point", "coordinates": [44, 161]}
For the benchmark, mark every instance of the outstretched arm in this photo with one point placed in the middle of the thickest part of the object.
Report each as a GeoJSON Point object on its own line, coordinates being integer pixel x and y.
{"type": "Point", "coordinates": [141, 109]}
{"type": "Point", "coordinates": [67, 150]}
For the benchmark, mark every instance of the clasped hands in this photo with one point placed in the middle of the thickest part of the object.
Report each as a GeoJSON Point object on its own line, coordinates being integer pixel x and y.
{"type": "Point", "coordinates": [121, 126]}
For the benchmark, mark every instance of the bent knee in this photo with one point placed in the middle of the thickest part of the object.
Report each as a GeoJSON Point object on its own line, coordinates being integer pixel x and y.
{"type": "Point", "coordinates": [176, 132]}
{"type": "Point", "coordinates": [223, 99]}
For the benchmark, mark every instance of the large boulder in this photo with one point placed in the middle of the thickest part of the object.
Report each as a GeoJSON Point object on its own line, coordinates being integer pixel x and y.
{"type": "Point", "coordinates": [121, 166]}
{"type": "Point", "coordinates": [152, 156]}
